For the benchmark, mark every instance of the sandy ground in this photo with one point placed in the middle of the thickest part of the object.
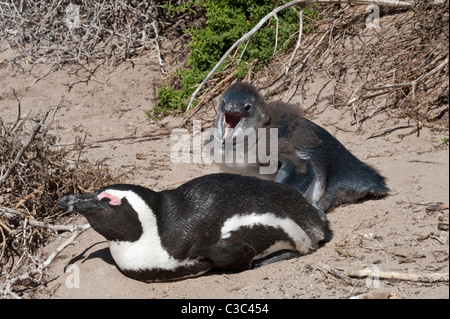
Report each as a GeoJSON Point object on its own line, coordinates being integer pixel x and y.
{"type": "Point", "coordinates": [397, 233]}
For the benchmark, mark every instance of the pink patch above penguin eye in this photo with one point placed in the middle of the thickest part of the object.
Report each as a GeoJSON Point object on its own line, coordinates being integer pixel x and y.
{"type": "Point", "coordinates": [113, 201]}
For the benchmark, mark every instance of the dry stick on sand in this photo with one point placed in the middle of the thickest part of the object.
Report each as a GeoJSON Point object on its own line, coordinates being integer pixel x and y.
{"type": "Point", "coordinates": [389, 3]}
{"type": "Point", "coordinates": [121, 138]}
{"type": "Point", "coordinates": [10, 213]}
{"type": "Point", "coordinates": [425, 278]}
{"type": "Point", "coordinates": [338, 273]}
{"type": "Point", "coordinates": [412, 83]}
{"type": "Point", "coordinates": [77, 230]}
{"type": "Point", "coordinates": [373, 273]}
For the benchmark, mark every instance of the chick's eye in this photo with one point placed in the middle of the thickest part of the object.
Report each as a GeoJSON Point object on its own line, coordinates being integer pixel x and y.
{"type": "Point", "coordinates": [247, 107]}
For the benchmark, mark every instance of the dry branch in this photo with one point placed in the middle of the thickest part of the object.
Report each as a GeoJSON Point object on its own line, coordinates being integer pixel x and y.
{"type": "Point", "coordinates": [6, 288]}
{"type": "Point", "coordinates": [67, 31]}
{"type": "Point", "coordinates": [345, 274]}
{"type": "Point", "coordinates": [29, 191]}
{"type": "Point", "coordinates": [76, 231]}
{"type": "Point", "coordinates": [425, 278]}
{"type": "Point", "coordinates": [408, 48]}
{"type": "Point", "coordinates": [10, 214]}
{"type": "Point", "coordinates": [412, 83]}
{"type": "Point", "coordinates": [299, 40]}
{"type": "Point", "coordinates": [248, 35]}
{"type": "Point", "coordinates": [24, 148]}
{"type": "Point", "coordinates": [373, 295]}
{"type": "Point", "coordinates": [337, 273]}
{"type": "Point", "coordinates": [161, 63]}
{"type": "Point", "coordinates": [121, 138]}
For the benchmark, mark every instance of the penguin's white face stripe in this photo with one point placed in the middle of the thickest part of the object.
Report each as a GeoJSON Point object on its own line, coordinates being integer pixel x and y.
{"type": "Point", "coordinates": [147, 252]}
{"type": "Point", "coordinates": [294, 231]}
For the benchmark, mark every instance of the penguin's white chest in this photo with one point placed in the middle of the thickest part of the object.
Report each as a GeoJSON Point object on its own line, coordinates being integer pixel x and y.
{"type": "Point", "coordinates": [147, 252]}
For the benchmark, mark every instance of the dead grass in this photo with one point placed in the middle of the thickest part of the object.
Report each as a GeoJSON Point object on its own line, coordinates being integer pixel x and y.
{"type": "Point", "coordinates": [399, 67]}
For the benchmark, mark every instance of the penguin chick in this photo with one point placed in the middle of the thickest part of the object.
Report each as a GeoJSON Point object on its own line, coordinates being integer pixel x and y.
{"type": "Point", "coordinates": [218, 221]}
{"type": "Point", "coordinates": [309, 158]}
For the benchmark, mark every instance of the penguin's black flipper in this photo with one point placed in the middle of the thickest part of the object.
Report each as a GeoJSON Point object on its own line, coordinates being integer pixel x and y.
{"type": "Point", "coordinates": [287, 175]}
{"type": "Point", "coordinates": [229, 255]}
{"type": "Point", "coordinates": [275, 257]}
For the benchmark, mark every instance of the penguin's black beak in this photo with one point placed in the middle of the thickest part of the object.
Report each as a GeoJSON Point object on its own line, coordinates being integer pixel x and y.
{"type": "Point", "coordinates": [79, 203]}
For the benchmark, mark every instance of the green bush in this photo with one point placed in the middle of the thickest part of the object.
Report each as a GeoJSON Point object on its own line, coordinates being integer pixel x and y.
{"type": "Point", "coordinates": [227, 21]}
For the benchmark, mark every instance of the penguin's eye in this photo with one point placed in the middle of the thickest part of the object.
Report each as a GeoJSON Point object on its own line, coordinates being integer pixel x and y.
{"type": "Point", "coordinates": [247, 107]}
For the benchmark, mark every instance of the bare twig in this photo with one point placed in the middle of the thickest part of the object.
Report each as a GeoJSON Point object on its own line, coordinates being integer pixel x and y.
{"type": "Point", "coordinates": [299, 40]}
{"type": "Point", "coordinates": [388, 131]}
{"type": "Point", "coordinates": [373, 295]}
{"type": "Point", "coordinates": [61, 31]}
{"type": "Point", "coordinates": [76, 231]}
{"type": "Point", "coordinates": [237, 43]}
{"type": "Point", "coordinates": [88, 30]}
{"type": "Point", "coordinates": [24, 147]}
{"type": "Point", "coordinates": [412, 83]}
{"type": "Point", "coordinates": [50, 69]}
{"type": "Point", "coordinates": [346, 274]}
{"type": "Point", "coordinates": [243, 51]}
{"type": "Point", "coordinates": [425, 278]}
{"type": "Point", "coordinates": [161, 64]}
{"type": "Point", "coordinates": [122, 138]}
{"type": "Point", "coordinates": [10, 213]}
{"type": "Point", "coordinates": [276, 34]}
{"type": "Point", "coordinates": [338, 273]}
{"type": "Point", "coordinates": [29, 275]}
{"type": "Point", "coordinates": [19, 111]}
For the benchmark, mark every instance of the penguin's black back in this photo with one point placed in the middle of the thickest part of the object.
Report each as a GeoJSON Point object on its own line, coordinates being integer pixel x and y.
{"type": "Point", "coordinates": [193, 214]}
{"type": "Point", "coordinates": [344, 167]}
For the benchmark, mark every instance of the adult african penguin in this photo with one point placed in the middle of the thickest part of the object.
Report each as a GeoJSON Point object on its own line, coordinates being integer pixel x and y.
{"type": "Point", "coordinates": [220, 221]}
{"type": "Point", "coordinates": [309, 158]}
